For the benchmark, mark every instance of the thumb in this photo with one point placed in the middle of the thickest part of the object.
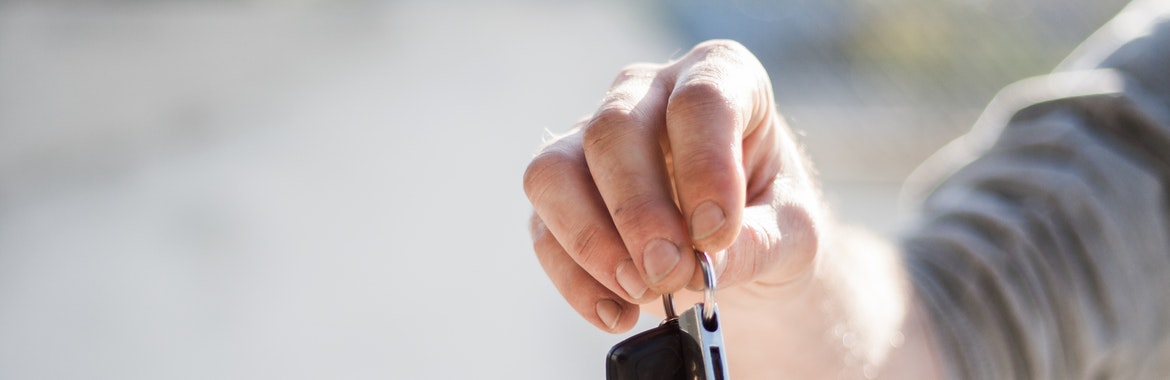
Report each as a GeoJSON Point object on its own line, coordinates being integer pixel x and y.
{"type": "Point", "coordinates": [777, 244]}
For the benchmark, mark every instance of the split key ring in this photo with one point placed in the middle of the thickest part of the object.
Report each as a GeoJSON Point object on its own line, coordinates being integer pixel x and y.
{"type": "Point", "coordinates": [708, 291]}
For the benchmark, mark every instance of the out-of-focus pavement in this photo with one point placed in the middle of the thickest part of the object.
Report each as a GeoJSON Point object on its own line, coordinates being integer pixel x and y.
{"type": "Point", "coordinates": [322, 190]}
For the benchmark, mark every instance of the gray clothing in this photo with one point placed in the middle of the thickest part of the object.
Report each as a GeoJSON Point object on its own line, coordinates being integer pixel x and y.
{"type": "Point", "coordinates": [1046, 255]}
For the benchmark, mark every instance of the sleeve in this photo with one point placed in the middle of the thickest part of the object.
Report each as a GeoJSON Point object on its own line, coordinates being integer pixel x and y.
{"type": "Point", "coordinates": [1046, 255]}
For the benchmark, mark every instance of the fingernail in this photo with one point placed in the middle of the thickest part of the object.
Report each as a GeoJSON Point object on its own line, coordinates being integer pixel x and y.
{"type": "Point", "coordinates": [659, 258]}
{"type": "Point", "coordinates": [609, 312]}
{"type": "Point", "coordinates": [630, 280]}
{"type": "Point", "coordinates": [706, 219]}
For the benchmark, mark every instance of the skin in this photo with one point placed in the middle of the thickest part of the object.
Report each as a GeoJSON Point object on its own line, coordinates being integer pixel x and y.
{"type": "Point", "coordinates": [692, 154]}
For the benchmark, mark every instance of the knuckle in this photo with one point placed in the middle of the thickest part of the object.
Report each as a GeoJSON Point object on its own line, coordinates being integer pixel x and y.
{"type": "Point", "coordinates": [610, 115]}
{"type": "Point", "coordinates": [722, 76]}
{"type": "Point", "coordinates": [700, 94]}
{"type": "Point", "coordinates": [608, 124]}
{"type": "Point", "coordinates": [547, 169]}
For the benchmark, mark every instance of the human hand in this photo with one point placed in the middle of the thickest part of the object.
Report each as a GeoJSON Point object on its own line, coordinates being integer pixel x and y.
{"type": "Point", "coordinates": [686, 154]}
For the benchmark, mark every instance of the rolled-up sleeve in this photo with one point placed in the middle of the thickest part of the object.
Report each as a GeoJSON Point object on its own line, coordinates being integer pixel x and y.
{"type": "Point", "coordinates": [1046, 254]}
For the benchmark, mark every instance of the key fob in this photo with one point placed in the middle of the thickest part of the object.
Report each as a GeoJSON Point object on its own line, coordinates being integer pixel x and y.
{"type": "Point", "coordinates": [656, 353]}
{"type": "Point", "coordinates": [688, 346]}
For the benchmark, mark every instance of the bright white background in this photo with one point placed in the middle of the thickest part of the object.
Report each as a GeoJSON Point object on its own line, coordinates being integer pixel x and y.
{"type": "Point", "coordinates": [282, 191]}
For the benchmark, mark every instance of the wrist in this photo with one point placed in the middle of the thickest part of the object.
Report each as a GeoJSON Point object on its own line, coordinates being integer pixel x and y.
{"type": "Point", "coordinates": [849, 316]}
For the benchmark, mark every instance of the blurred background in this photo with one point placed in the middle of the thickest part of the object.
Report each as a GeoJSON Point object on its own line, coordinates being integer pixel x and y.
{"type": "Point", "coordinates": [332, 189]}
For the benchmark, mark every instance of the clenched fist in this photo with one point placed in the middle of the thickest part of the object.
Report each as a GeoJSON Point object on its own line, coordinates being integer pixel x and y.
{"type": "Point", "coordinates": [685, 155]}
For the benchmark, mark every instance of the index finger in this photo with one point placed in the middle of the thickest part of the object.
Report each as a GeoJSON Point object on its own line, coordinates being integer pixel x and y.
{"type": "Point", "coordinates": [721, 95]}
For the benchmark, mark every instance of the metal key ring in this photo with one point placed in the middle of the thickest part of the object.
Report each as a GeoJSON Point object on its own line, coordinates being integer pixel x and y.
{"type": "Point", "coordinates": [709, 281]}
{"type": "Point", "coordinates": [668, 304]}
{"type": "Point", "coordinates": [708, 292]}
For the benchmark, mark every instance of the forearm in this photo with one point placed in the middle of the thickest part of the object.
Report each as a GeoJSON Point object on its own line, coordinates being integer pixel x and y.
{"type": "Point", "coordinates": [853, 317]}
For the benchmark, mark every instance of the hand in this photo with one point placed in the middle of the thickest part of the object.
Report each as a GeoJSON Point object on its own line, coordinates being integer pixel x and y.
{"type": "Point", "coordinates": [686, 154]}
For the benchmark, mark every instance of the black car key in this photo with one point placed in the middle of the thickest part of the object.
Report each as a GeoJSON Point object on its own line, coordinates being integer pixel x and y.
{"type": "Point", "coordinates": [688, 347]}
{"type": "Point", "coordinates": [656, 353]}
